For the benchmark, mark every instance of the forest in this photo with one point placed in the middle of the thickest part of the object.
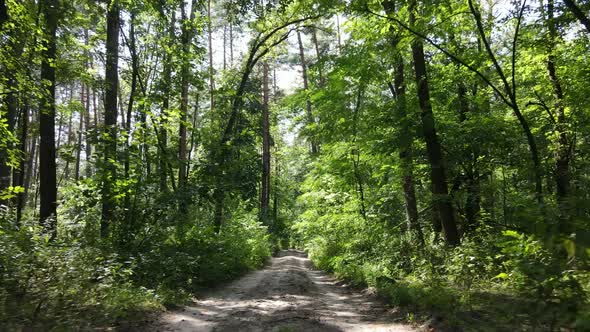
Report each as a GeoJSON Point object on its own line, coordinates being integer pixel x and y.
{"type": "Point", "coordinates": [434, 152]}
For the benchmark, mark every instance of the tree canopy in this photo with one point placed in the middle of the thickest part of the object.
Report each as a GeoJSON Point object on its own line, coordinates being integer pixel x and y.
{"type": "Point", "coordinates": [435, 150]}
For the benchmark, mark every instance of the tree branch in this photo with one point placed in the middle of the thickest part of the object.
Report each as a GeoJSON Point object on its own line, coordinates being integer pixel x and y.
{"type": "Point", "coordinates": [449, 54]}
{"type": "Point", "coordinates": [518, 21]}
{"type": "Point", "coordinates": [477, 16]}
{"type": "Point", "coordinates": [578, 13]}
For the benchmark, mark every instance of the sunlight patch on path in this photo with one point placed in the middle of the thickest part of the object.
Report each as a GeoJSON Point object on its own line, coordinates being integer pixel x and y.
{"type": "Point", "coordinates": [285, 296]}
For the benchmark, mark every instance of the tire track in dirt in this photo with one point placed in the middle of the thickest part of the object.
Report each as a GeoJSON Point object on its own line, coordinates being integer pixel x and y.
{"type": "Point", "coordinates": [287, 295]}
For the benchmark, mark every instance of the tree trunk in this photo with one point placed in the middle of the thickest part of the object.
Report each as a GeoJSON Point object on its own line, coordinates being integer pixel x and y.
{"type": "Point", "coordinates": [80, 129]}
{"type": "Point", "coordinates": [134, 73]}
{"type": "Point", "coordinates": [88, 146]}
{"type": "Point", "coordinates": [472, 203]}
{"type": "Point", "coordinates": [578, 13]}
{"type": "Point", "coordinates": [187, 35]}
{"type": "Point", "coordinates": [309, 113]}
{"type": "Point", "coordinates": [110, 118]}
{"type": "Point", "coordinates": [563, 155]}
{"type": "Point", "coordinates": [275, 191]}
{"type": "Point", "coordinates": [406, 138]}
{"type": "Point", "coordinates": [231, 44]}
{"type": "Point", "coordinates": [442, 202]}
{"type": "Point", "coordinates": [210, 44]}
{"type": "Point", "coordinates": [31, 167]}
{"type": "Point", "coordinates": [406, 150]}
{"type": "Point", "coordinates": [22, 169]}
{"type": "Point", "coordinates": [509, 98]}
{"type": "Point", "coordinates": [265, 186]}
{"type": "Point", "coordinates": [47, 150]}
{"type": "Point", "coordinates": [318, 54]}
{"type": "Point", "coordinates": [163, 165]}
{"type": "Point", "coordinates": [356, 154]}
{"type": "Point", "coordinates": [183, 101]}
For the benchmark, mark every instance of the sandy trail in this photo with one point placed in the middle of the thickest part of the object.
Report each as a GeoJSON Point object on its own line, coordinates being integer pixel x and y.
{"type": "Point", "coordinates": [285, 296]}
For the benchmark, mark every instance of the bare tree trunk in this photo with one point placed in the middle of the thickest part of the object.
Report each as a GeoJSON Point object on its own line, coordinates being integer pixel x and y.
{"type": "Point", "coordinates": [211, 71]}
{"type": "Point", "coordinates": [318, 54]}
{"type": "Point", "coordinates": [22, 169]}
{"type": "Point", "coordinates": [406, 155]}
{"type": "Point", "coordinates": [187, 36]}
{"type": "Point", "coordinates": [563, 155]}
{"type": "Point", "coordinates": [183, 101]}
{"type": "Point", "coordinates": [47, 151]}
{"type": "Point", "coordinates": [231, 44]}
{"type": "Point", "coordinates": [356, 154]}
{"type": "Point", "coordinates": [265, 186]}
{"type": "Point", "coordinates": [80, 129]}
{"type": "Point", "coordinates": [163, 165]}
{"type": "Point", "coordinates": [134, 73]}
{"type": "Point", "coordinates": [309, 113]}
{"type": "Point", "coordinates": [509, 97]}
{"type": "Point", "coordinates": [31, 167]}
{"type": "Point", "coordinates": [442, 202]}
{"type": "Point", "coordinates": [275, 191]}
{"type": "Point", "coordinates": [88, 146]}
{"type": "Point", "coordinates": [194, 131]}
{"type": "Point", "coordinates": [406, 150]}
{"type": "Point", "coordinates": [110, 118]}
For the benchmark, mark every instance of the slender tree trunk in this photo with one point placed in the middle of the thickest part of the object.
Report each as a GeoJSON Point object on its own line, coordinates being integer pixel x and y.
{"type": "Point", "coordinates": [183, 100]}
{"type": "Point", "coordinates": [406, 138]}
{"type": "Point", "coordinates": [309, 113]}
{"type": "Point", "coordinates": [265, 186]}
{"type": "Point", "coordinates": [22, 169]}
{"type": "Point", "coordinates": [69, 142]}
{"type": "Point", "coordinates": [406, 150]}
{"type": "Point", "coordinates": [231, 44]}
{"type": "Point", "coordinates": [510, 99]}
{"type": "Point", "coordinates": [194, 132]}
{"type": "Point", "coordinates": [187, 36]}
{"type": "Point", "coordinates": [442, 202]}
{"type": "Point", "coordinates": [211, 71]}
{"type": "Point", "coordinates": [356, 154]}
{"type": "Point", "coordinates": [95, 109]}
{"type": "Point", "coordinates": [80, 130]}
{"type": "Point", "coordinates": [318, 54]}
{"type": "Point", "coordinates": [563, 155]}
{"type": "Point", "coordinates": [472, 203]}
{"type": "Point", "coordinates": [110, 118]}
{"type": "Point", "coordinates": [88, 145]}
{"type": "Point", "coordinates": [134, 73]}
{"type": "Point", "coordinates": [3, 13]}
{"type": "Point", "coordinates": [31, 167]}
{"type": "Point", "coordinates": [165, 108]}
{"type": "Point", "coordinates": [47, 151]}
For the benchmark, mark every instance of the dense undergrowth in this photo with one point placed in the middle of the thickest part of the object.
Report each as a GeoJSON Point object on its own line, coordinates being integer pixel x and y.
{"type": "Point", "coordinates": [79, 281]}
{"type": "Point", "coordinates": [497, 280]}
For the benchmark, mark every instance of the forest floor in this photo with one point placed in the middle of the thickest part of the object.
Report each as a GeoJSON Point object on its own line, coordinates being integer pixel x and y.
{"type": "Point", "coordinates": [287, 295]}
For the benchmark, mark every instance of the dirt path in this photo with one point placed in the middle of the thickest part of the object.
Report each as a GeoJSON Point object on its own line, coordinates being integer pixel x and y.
{"type": "Point", "coordinates": [285, 296]}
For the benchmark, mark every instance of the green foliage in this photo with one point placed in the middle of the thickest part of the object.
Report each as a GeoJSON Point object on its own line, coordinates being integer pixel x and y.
{"type": "Point", "coordinates": [80, 280]}
{"type": "Point", "coordinates": [58, 284]}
